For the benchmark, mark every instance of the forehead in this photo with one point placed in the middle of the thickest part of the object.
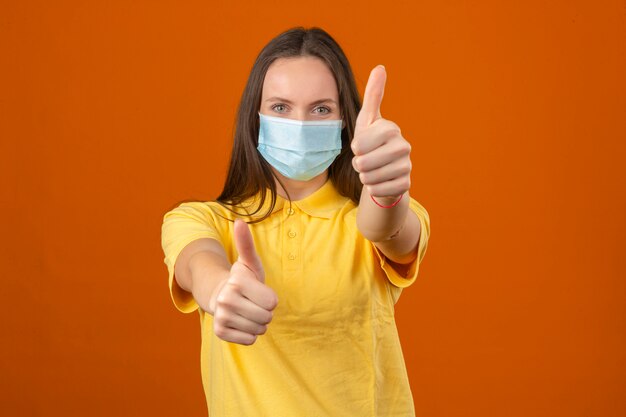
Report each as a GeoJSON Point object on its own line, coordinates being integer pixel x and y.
{"type": "Point", "coordinates": [300, 79]}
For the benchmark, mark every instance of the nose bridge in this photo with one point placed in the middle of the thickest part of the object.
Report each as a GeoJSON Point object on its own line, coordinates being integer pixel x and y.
{"type": "Point", "coordinates": [301, 113]}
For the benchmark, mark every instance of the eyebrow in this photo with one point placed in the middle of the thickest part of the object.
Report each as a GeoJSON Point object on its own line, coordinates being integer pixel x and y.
{"type": "Point", "coordinates": [324, 100]}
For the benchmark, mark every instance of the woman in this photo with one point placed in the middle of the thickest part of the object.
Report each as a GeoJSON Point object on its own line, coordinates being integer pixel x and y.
{"type": "Point", "coordinates": [296, 268]}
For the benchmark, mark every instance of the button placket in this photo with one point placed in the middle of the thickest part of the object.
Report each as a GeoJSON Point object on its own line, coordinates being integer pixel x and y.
{"type": "Point", "coordinates": [291, 240]}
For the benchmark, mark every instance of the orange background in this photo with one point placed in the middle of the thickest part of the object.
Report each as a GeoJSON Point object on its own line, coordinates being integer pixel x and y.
{"type": "Point", "coordinates": [112, 113]}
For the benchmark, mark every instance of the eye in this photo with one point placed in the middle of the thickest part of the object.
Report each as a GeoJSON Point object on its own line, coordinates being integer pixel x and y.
{"type": "Point", "coordinates": [277, 105]}
{"type": "Point", "coordinates": [325, 109]}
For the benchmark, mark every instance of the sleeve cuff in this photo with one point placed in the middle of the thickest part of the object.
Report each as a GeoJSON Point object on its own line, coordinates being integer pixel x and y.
{"type": "Point", "coordinates": [394, 276]}
{"type": "Point", "coordinates": [183, 300]}
{"type": "Point", "coordinates": [188, 222]}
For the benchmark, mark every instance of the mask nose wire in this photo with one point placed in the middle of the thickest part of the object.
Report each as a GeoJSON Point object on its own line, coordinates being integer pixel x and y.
{"type": "Point", "coordinates": [260, 115]}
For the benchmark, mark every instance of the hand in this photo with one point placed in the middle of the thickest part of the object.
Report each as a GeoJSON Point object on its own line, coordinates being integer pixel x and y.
{"type": "Point", "coordinates": [243, 304]}
{"type": "Point", "coordinates": [381, 153]}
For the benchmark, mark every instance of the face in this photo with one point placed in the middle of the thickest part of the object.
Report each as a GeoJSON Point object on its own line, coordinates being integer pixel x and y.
{"type": "Point", "coordinates": [300, 88]}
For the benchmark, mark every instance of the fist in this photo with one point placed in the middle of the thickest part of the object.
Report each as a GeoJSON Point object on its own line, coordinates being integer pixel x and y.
{"type": "Point", "coordinates": [243, 304]}
{"type": "Point", "coordinates": [382, 155]}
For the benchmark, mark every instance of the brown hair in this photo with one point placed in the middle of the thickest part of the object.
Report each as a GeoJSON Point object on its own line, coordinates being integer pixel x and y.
{"type": "Point", "coordinates": [248, 172]}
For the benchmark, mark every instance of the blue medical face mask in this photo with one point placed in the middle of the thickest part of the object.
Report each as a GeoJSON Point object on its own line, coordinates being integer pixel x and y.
{"type": "Point", "coordinates": [299, 149]}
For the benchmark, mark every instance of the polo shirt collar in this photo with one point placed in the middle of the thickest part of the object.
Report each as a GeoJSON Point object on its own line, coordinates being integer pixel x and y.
{"type": "Point", "coordinates": [324, 202]}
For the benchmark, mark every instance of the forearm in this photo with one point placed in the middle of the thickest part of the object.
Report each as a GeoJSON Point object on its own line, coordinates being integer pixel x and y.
{"type": "Point", "coordinates": [395, 231]}
{"type": "Point", "coordinates": [200, 267]}
{"type": "Point", "coordinates": [209, 271]}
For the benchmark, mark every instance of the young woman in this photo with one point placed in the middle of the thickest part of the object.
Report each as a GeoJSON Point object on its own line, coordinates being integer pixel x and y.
{"type": "Point", "coordinates": [296, 268]}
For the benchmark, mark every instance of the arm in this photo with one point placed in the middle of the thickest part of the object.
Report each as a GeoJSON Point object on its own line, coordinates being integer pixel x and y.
{"type": "Point", "coordinates": [395, 231]}
{"type": "Point", "coordinates": [382, 159]}
{"type": "Point", "coordinates": [202, 268]}
{"type": "Point", "coordinates": [235, 295]}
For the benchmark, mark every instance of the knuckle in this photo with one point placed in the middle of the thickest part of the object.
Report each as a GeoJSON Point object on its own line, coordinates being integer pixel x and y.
{"type": "Point", "coordinates": [225, 299]}
{"type": "Point", "coordinates": [250, 339]}
{"type": "Point", "coordinates": [264, 317]}
{"type": "Point", "coordinates": [220, 318]}
{"type": "Point", "coordinates": [222, 299]}
{"type": "Point", "coordinates": [400, 150]}
{"type": "Point", "coordinates": [365, 163]}
{"type": "Point", "coordinates": [404, 148]}
{"type": "Point", "coordinates": [354, 145]}
{"type": "Point", "coordinates": [226, 320]}
{"type": "Point", "coordinates": [274, 302]}
{"type": "Point", "coordinates": [389, 133]}
{"type": "Point", "coordinates": [235, 282]}
{"type": "Point", "coordinates": [392, 129]}
{"type": "Point", "coordinates": [362, 163]}
{"type": "Point", "coordinates": [219, 330]}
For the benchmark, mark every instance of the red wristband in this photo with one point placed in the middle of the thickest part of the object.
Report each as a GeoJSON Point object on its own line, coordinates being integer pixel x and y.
{"type": "Point", "coordinates": [380, 205]}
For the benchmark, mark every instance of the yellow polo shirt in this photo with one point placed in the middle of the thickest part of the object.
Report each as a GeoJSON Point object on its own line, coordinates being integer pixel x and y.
{"type": "Point", "coordinates": [332, 348]}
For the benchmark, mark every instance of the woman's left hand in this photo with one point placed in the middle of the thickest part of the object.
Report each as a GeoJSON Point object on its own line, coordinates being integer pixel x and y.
{"type": "Point", "coordinates": [382, 155]}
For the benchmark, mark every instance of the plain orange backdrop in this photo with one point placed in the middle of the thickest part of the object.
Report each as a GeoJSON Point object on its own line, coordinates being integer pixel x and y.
{"type": "Point", "coordinates": [112, 113]}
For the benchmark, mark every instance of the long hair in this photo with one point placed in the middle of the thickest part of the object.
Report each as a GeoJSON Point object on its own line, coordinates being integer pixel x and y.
{"type": "Point", "coordinates": [248, 173]}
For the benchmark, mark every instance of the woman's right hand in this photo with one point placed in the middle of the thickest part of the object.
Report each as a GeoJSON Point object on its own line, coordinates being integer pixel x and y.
{"type": "Point", "coordinates": [242, 304]}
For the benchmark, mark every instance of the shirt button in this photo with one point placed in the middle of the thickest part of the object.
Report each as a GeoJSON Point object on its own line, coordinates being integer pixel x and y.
{"type": "Point", "coordinates": [291, 211]}
{"type": "Point", "coordinates": [292, 256]}
{"type": "Point", "coordinates": [292, 234]}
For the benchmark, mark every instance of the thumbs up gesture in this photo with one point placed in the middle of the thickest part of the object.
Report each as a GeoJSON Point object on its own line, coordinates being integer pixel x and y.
{"type": "Point", "coordinates": [244, 304]}
{"type": "Point", "coordinates": [381, 153]}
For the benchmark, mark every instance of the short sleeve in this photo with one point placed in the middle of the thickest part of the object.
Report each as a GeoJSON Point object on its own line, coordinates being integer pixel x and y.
{"type": "Point", "coordinates": [182, 225]}
{"type": "Point", "coordinates": [397, 279]}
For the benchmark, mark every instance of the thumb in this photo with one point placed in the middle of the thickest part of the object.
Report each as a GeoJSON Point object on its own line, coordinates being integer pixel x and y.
{"type": "Point", "coordinates": [245, 247]}
{"type": "Point", "coordinates": [372, 98]}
